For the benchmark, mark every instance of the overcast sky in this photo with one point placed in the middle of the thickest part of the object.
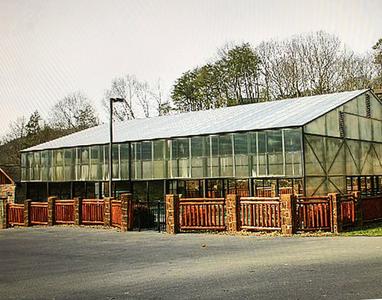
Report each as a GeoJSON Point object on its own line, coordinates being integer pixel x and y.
{"type": "Point", "coordinates": [53, 47]}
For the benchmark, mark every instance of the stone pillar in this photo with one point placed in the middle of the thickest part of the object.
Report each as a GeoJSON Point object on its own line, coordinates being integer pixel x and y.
{"type": "Point", "coordinates": [27, 209]}
{"type": "Point", "coordinates": [172, 214]}
{"type": "Point", "coordinates": [107, 211]}
{"type": "Point", "coordinates": [232, 213]}
{"type": "Point", "coordinates": [77, 211]}
{"type": "Point", "coordinates": [288, 211]}
{"type": "Point", "coordinates": [358, 208]}
{"type": "Point", "coordinates": [336, 224]}
{"type": "Point", "coordinates": [3, 213]}
{"type": "Point", "coordinates": [127, 211]}
{"type": "Point", "coordinates": [51, 210]}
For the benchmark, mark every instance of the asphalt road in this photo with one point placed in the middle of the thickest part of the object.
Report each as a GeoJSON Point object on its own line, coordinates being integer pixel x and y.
{"type": "Point", "coordinates": [87, 263]}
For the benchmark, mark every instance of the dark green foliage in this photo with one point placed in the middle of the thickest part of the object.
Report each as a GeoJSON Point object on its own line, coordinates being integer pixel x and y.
{"type": "Point", "coordinates": [230, 80]}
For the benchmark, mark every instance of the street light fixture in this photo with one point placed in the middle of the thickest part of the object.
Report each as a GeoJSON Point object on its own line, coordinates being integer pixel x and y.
{"type": "Point", "coordinates": [112, 100]}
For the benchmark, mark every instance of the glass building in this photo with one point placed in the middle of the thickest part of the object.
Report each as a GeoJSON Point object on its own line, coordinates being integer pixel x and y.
{"type": "Point", "coordinates": [309, 145]}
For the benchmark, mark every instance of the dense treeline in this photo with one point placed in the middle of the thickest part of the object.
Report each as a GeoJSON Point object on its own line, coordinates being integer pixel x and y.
{"type": "Point", "coordinates": [307, 64]}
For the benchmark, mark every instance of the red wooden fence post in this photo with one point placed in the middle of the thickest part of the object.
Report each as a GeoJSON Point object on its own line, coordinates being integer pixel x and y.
{"type": "Point", "coordinates": [3, 213]}
{"type": "Point", "coordinates": [77, 211]}
{"type": "Point", "coordinates": [107, 212]}
{"type": "Point", "coordinates": [336, 224]}
{"type": "Point", "coordinates": [288, 213]}
{"type": "Point", "coordinates": [27, 209]}
{"type": "Point", "coordinates": [172, 214]}
{"type": "Point", "coordinates": [127, 214]}
{"type": "Point", "coordinates": [51, 210]}
{"type": "Point", "coordinates": [358, 208]}
{"type": "Point", "coordinates": [232, 212]}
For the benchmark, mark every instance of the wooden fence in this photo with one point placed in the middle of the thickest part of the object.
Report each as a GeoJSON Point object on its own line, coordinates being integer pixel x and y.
{"type": "Point", "coordinates": [38, 213]}
{"type": "Point", "coordinates": [116, 213]}
{"type": "Point", "coordinates": [92, 212]}
{"type": "Point", "coordinates": [257, 213]}
{"type": "Point", "coordinates": [202, 214]}
{"type": "Point", "coordinates": [15, 214]}
{"type": "Point", "coordinates": [313, 213]}
{"type": "Point", "coordinates": [347, 210]}
{"type": "Point", "coordinates": [64, 211]}
{"type": "Point", "coordinates": [371, 207]}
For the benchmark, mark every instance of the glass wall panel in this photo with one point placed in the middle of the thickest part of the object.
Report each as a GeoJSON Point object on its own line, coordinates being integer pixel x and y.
{"type": "Point", "coordinates": [46, 163]}
{"type": "Point", "coordinates": [362, 105]}
{"type": "Point", "coordinates": [179, 162]}
{"type": "Point", "coordinates": [213, 159]}
{"type": "Point", "coordinates": [252, 140]}
{"type": "Point", "coordinates": [96, 162]}
{"type": "Point", "coordinates": [225, 153]}
{"type": "Point", "coordinates": [262, 153]}
{"type": "Point", "coordinates": [293, 152]}
{"type": "Point", "coordinates": [36, 166]}
{"type": "Point", "coordinates": [136, 166]}
{"type": "Point", "coordinates": [124, 160]}
{"type": "Point", "coordinates": [351, 126]}
{"type": "Point", "coordinates": [317, 126]}
{"type": "Point", "coordinates": [82, 163]}
{"type": "Point", "coordinates": [29, 164]}
{"type": "Point", "coordinates": [70, 165]}
{"type": "Point", "coordinates": [147, 160]}
{"type": "Point", "coordinates": [377, 130]}
{"type": "Point", "coordinates": [199, 153]}
{"type": "Point", "coordinates": [58, 165]}
{"type": "Point", "coordinates": [275, 152]}
{"type": "Point", "coordinates": [24, 167]}
{"type": "Point", "coordinates": [315, 155]}
{"type": "Point", "coordinates": [352, 157]}
{"type": "Point", "coordinates": [335, 156]}
{"type": "Point", "coordinates": [332, 123]}
{"type": "Point", "coordinates": [159, 159]}
{"type": "Point", "coordinates": [375, 108]}
{"type": "Point", "coordinates": [366, 129]}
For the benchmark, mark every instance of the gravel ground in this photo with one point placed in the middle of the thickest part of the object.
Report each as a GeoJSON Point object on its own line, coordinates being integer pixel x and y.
{"type": "Point", "coordinates": [64, 262]}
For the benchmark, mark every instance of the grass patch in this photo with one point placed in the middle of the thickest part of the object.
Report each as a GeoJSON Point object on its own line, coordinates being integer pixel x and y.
{"type": "Point", "coordinates": [366, 230]}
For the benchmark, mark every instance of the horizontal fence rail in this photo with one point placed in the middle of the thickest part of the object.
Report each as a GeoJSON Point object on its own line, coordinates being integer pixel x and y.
{"type": "Point", "coordinates": [15, 213]}
{"type": "Point", "coordinates": [92, 211]}
{"type": "Point", "coordinates": [64, 211]}
{"type": "Point", "coordinates": [258, 213]}
{"type": "Point", "coordinates": [39, 213]}
{"type": "Point", "coordinates": [202, 214]}
{"type": "Point", "coordinates": [313, 213]}
{"type": "Point", "coordinates": [116, 213]}
{"type": "Point", "coordinates": [371, 208]}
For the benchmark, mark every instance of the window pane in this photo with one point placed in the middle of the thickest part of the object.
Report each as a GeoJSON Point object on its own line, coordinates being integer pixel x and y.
{"type": "Point", "coordinates": [225, 145]}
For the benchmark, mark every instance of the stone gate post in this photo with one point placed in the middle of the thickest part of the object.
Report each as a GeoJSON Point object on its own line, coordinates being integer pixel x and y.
{"type": "Point", "coordinates": [3, 213]}
{"type": "Point", "coordinates": [127, 211]}
{"type": "Point", "coordinates": [51, 210]}
{"type": "Point", "coordinates": [288, 213]}
{"type": "Point", "coordinates": [107, 211]}
{"type": "Point", "coordinates": [336, 225]}
{"type": "Point", "coordinates": [232, 213]}
{"type": "Point", "coordinates": [172, 214]}
{"type": "Point", "coordinates": [27, 209]}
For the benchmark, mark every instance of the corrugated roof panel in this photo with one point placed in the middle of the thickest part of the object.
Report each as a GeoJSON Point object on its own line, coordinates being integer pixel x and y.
{"type": "Point", "coordinates": [265, 115]}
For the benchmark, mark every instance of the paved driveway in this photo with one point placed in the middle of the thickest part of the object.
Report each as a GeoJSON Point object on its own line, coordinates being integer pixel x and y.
{"type": "Point", "coordinates": [77, 263]}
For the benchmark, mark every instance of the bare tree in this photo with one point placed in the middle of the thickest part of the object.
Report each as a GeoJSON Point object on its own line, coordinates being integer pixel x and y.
{"type": "Point", "coordinates": [73, 112]}
{"type": "Point", "coordinates": [310, 64]}
{"type": "Point", "coordinates": [17, 130]}
{"type": "Point", "coordinates": [141, 98]}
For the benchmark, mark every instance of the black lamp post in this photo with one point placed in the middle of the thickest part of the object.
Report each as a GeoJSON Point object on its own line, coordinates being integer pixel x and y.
{"type": "Point", "coordinates": [112, 100]}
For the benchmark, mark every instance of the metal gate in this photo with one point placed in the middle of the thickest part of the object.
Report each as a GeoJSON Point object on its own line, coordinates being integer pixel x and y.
{"type": "Point", "coordinates": [149, 216]}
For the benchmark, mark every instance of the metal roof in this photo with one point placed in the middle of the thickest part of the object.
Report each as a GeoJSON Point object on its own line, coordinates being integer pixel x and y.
{"type": "Point", "coordinates": [265, 115]}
